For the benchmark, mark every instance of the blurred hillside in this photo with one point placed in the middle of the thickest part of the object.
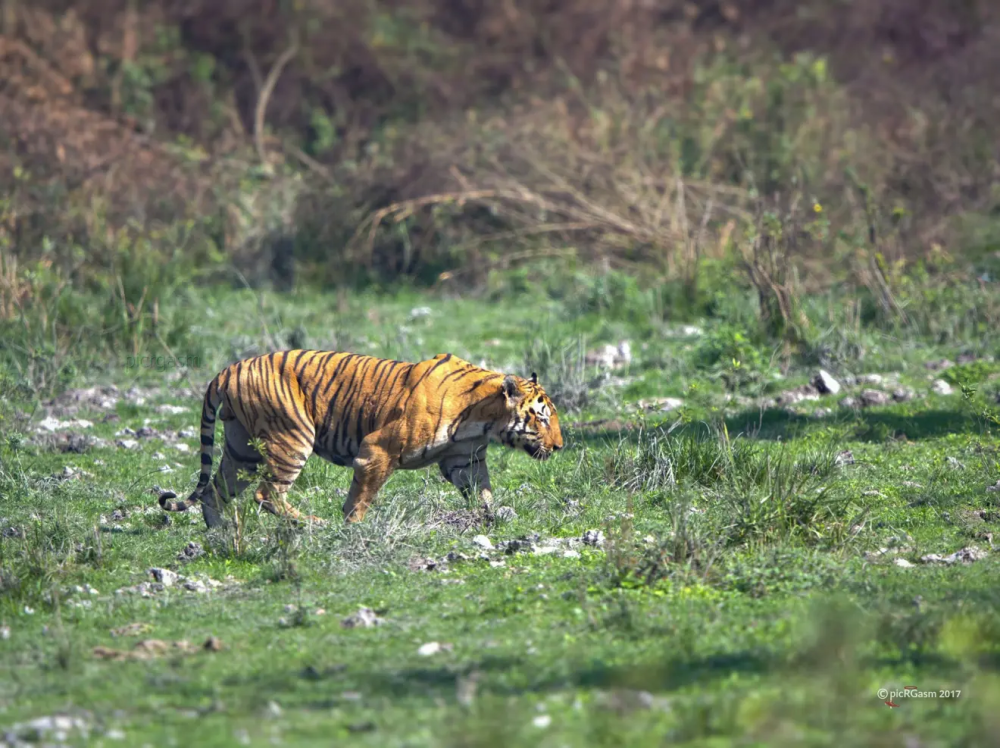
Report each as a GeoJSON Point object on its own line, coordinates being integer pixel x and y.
{"type": "Point", "coordinates": [441, 138]}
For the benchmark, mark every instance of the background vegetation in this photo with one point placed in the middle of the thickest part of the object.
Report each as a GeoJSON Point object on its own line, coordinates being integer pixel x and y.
{"type": "Point", "coordinates": [783, 147]}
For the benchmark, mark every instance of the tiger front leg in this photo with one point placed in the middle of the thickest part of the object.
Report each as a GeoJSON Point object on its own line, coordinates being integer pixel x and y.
{"type": "Point", "coordinates": [372, 468]}
{"type": "Point", "coordinates": [470, 475]}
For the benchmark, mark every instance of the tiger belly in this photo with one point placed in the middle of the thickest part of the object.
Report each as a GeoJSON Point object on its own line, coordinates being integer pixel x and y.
{"type": "Point", "coordinates": [469, 438]}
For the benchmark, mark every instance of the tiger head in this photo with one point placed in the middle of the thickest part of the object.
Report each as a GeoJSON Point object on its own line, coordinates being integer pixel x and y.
{"type": "Point", "coordinates": [533, 424]}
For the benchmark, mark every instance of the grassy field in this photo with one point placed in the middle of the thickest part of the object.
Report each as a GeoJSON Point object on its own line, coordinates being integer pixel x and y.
{"type": "Point", "coordinates": [747, 563]}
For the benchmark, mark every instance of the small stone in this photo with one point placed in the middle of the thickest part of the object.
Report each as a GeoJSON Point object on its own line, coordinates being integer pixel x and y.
{"type": "Point", "coordinates": [364, 618]}
{"type": "Point", "coordinates": [941, 387]}
{"type": "Point", "coordinates": [164, 576]}
{"type": "Point", "coordinates": [994, 488]}
{"type": "Point", "coordinates": [874, 397]}
{"type": "Point", "coordinates": [902, 563]}
{"type": "Point", "coordinates": [964, 556]}
{"type": "Point", "coordinates": [193, 585]}
{"type": "Point", "coordinates": [875, 379]}
{"type": "Point", "coordinates": [520, 544]}
{"type": "Point", "coordinates": [844, 458]}
{"type": "Point", "coordinates": [272, 710]}
{"type": "Point", "coordinates": [571, 554]}
{"type": "Point", "coordinates": [939, 365]}
{"type": "Point", "coordinates": [212, 644]}
{"type": "Point", "coordinates": [428, 649]}
{"type": "Point", "coordinates": [171, 410]}
{"type": "Point", "coordinates": [661, 404]}
{"type": "Point", "coordinates": [191, 551]}
{"type": "Point", "coordinates": [126, 443]}
{"type": "Point", "coordinates": [954, 463]}
{"type": "Point", "coordinates": [903, 394]}
{"type": "Point", "coordinates": [594, 538]}
{"type": "Point", "coordinates": [542, 721]}
{"type": "Point", "coordinates": [825, 383]}
{"type": "Point", "coordinates": [850, 402]}
{"type": "Point", "coordinates": [483, 542]}
{"type": "Point", "coordinates": [505, 513]}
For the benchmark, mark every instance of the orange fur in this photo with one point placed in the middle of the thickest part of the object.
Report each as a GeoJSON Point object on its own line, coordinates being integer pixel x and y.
{"type": "Point", "coordinates": [375, 415]}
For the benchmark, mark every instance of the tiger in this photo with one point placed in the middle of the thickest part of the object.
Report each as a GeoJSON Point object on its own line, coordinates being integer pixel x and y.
{"type": "Point", "coordinates": [373, 414]}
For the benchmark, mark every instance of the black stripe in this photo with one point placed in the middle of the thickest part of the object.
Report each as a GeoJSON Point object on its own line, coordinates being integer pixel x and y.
{"type": "Point", "coordinates": [295, 366]}
{"type": "Point", "coordinates": [333, 379]}
{"type": "Point", "coordinates": [458, 375]}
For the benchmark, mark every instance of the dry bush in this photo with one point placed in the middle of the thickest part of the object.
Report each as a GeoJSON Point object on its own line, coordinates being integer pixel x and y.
{"type": "Point", "coordinates": [623, 138]}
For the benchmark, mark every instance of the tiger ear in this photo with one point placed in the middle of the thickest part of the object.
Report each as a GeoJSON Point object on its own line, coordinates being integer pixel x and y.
{"type": "Point", "coordinates": [534, 378]}
{"type": "Point", "coordinates": [510, 389]}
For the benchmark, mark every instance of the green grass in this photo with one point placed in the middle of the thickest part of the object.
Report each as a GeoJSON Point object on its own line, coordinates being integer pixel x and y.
{"type": "Point", "coordinates": [738, 597]}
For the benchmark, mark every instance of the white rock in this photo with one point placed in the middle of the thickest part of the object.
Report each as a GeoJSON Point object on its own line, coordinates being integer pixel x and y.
{"type": "Point", "coordinates": [54, 424]}
{"type": "Point", "coordinates": [964, 556]}
{"type": "Point", "coordinates": [428, 649]}
{"type": "Point", "coordinates": [593, 538]}
{"type": "Point", "coordinates": [171, 410]}
{"type": "Point", "coordinates": [941, 387]}
{"type": "Point", "coordinates": [483, 542]}
{"type": "Point", "coordinates": [364, 618]}
{"type": "Point", "coordinates": [272, 710]}
{"type": "Point", "coordinates": [902, 563]}
{"type": "Point", "coordinates": [505, 513]}
{"type": "Point", "coordinates": [825, 383]}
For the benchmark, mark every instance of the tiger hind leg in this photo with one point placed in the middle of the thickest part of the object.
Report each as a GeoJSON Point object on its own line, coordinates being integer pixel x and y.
{"type": "Point", "coordinates": [284, 464]}
{"type": "Point", "coordinates": [229, 482]}
{"type": "Point", "coordinates": [239, 464]}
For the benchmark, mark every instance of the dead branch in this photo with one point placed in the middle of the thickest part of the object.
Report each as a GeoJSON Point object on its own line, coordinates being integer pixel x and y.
{"type": "Point", "coordinates": [265, 94]}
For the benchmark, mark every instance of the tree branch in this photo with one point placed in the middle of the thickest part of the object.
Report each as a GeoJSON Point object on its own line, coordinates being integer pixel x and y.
{"type": "Point", "coordinates": [265, 94]}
